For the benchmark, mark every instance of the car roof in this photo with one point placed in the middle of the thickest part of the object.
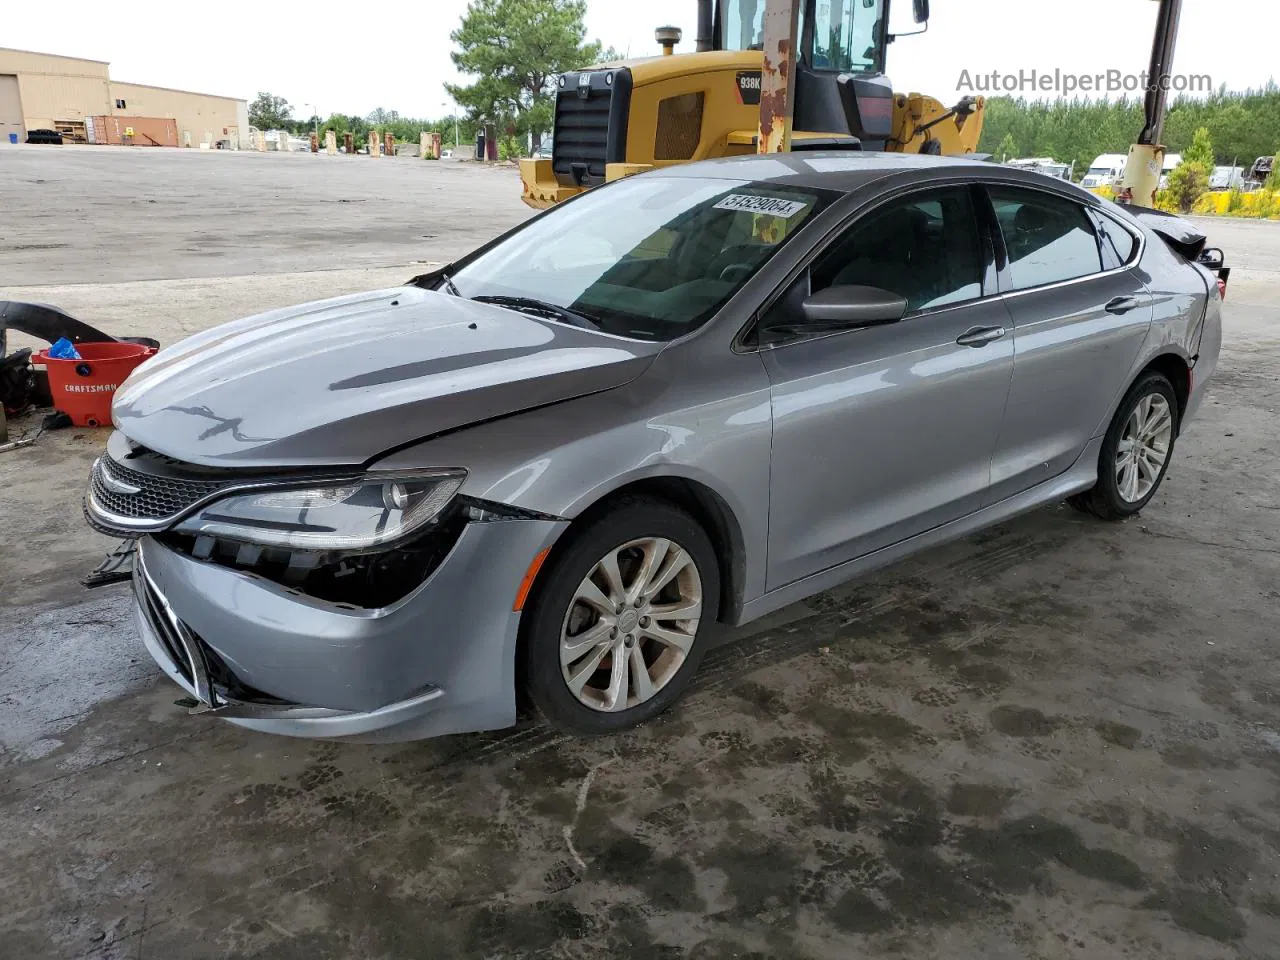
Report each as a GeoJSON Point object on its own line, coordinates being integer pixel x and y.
{"type": "Point", "coordinates": [846, 171]}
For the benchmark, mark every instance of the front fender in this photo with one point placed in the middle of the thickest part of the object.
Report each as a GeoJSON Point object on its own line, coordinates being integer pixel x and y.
{"type": "Point", "coordinates": [562, 459]}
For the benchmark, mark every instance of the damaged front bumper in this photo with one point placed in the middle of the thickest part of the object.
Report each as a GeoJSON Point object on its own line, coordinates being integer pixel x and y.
{"type": "Point", "coordinates": [263, 656]}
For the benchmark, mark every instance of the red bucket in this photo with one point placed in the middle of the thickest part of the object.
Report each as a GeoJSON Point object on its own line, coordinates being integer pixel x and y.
{"type": "Point", "coordinates": [83, 389]}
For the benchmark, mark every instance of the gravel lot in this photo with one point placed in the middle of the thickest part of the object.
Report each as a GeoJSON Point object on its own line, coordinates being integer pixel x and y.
{"type": "Point", "coordinates": [1059, 739]}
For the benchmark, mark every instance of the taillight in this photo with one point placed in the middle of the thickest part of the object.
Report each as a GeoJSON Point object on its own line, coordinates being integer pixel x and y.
{"type": "Point", "coordinates": [1222, 289]}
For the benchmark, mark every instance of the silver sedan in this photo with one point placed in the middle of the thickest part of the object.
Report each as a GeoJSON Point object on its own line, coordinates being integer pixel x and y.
{"type": "Point", "coordinates": [687, 398]}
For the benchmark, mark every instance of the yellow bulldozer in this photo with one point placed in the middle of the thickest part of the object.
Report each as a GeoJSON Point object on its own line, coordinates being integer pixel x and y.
{"type": "Point", "coordinates": [616, 119]}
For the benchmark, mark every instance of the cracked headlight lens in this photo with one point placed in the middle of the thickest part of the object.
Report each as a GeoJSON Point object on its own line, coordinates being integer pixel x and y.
{"type": "Point", "coordinates": [343, 515]}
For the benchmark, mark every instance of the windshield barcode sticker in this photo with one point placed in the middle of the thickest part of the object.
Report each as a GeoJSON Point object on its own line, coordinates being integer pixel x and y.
{"type": "Point", "coordinates": [770, 205]}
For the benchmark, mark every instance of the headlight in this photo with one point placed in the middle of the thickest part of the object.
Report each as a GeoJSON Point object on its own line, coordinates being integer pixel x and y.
{"type": "Point", "coordinates": [343, 515]}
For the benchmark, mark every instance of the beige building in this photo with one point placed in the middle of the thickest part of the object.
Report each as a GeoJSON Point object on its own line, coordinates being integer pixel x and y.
{"type": "Point", "coordinates": [78, 98]}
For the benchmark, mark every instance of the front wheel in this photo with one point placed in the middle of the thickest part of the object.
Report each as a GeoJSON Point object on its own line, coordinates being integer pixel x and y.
{"type": "Point", "coordinates": [1135, 451]}
{"type": "Point", "coordinates": [618, 624]}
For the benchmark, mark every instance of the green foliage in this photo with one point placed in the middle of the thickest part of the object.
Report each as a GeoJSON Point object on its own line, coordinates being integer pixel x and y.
{"type": "Point", "coordinates": [341, 124]}
{"type": "Point", "coordinates": [307, 125]}
{"type": "Point", "coordinates": [1241, 126]}
{"type": "Point", "coordinates": [406, 129]}
{"type": "Point", "coordinates": [515, 49]}
{"type": "Point", "coordinates": [1265, 204]}
{"type": "Point", "coordinates": [1190, 179]}
{"type": "Point", "coordinates": [1187, 183]}
{"type": "Point", "coordinates": [1008, 148]}
{"type": "Point", "coordinates": [1273, 178]}
{"type": "Point", "coordinates": [268, 112]}
{"type": "Point", "coordinates": [1201, 150]}
{"type": "Point", "coordinates": [1235, 200]}
{"type": "Point", "coordinates": [509, 148]}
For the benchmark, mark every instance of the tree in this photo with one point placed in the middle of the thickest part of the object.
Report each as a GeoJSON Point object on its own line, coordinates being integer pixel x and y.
{"type": "Point", "coordinates": [269, 112]}
{"type": "Point", "coordinates": [516, 48]}
{"type": "Point", "coordinates": [1242, 125]}
{"type": "Point", "coordinates": [342, 124]}
{"type": "Point", "coordinates": [1190, 179]}
{"type": "Point", "coordinates": [1187, 183]}
{"type": "Point", "coordinates": [1008, 148]}
{"type": "Point", "coordinates": [1201, 150]}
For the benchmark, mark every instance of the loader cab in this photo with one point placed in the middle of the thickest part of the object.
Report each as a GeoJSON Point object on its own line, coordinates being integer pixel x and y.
{"type": "Point", "coordinates": [835, 35]}
{"type": "Point", "coordinates": [840, 88]}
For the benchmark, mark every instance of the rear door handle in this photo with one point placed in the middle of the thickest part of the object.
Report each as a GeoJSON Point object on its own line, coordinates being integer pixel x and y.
{"type": "Point", "coordinates": [1121, 304]}
{"type": "Point", "coordinates": [980, 336]}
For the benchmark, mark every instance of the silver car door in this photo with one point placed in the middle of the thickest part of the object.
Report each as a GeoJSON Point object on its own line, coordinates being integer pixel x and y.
{"type": "Point", "coordinates": [884, 432]}
{"type": "Point", "coordinates": [1079, 322]}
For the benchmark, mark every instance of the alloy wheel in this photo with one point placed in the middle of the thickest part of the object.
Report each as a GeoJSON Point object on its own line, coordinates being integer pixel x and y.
{"type": "Point", "coordinates": [631, 624]}
{"type": "Point", "coordinates": [1143, 447]}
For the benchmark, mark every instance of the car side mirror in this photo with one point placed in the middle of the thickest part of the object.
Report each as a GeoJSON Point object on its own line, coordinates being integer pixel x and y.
{"type": "Point", "coordinates": [850, 306]}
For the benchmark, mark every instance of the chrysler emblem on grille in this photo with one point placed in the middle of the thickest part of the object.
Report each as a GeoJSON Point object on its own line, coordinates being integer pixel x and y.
{"type": "Point", "coordinates": [115, 484]}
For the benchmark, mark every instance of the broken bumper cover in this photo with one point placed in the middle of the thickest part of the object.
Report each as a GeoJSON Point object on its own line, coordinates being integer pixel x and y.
{"type": "Point", "coordinates": [439, 661]}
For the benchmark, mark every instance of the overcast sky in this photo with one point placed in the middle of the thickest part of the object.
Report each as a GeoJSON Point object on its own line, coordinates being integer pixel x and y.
{"type": "Point", "coordinates": [353, 57]}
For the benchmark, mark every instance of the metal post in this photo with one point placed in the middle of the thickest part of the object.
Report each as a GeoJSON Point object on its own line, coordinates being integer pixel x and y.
{"type": "Point", "coordinates": [1146, 157]}
{"type": "Point", "coordinates": [777, 79]}
{"type": "Point", "coordinates": [1158, 74]}
{"type": "Point", "coordinates": [706, 26]}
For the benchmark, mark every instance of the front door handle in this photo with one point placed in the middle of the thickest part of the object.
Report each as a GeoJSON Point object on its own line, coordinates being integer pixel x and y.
{"type": "Point", "coordinates": [980, 336]}
{"type": "Point", "coordinates": [1121, 304]}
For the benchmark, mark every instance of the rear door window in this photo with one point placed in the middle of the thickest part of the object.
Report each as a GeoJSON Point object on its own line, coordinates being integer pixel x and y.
{"type": "Point", "coordinates": [1048, 238]}
{"type": "Point", "coordinates": [1117, 241]}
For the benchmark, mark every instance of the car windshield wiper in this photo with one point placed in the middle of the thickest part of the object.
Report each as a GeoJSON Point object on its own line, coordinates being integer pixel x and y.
{"type": "Point", "coordinates": [436, 278]}
{"type": "Point", "coordinates": [541, 308]}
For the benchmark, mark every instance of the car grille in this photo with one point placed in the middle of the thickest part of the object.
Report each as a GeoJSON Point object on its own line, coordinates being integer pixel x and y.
{"type": "Point", "coordinates": [151, 607]}
{"type": "Point", "coordinates": [591, 124]}
{"type": "Point", "coordinates": [144, 496]}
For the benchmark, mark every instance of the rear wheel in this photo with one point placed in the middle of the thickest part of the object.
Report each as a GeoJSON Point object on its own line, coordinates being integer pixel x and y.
{"type": "Point", "coordinates": [1135, 451]}
{"type": "Point", "coordinates": [618, 624]}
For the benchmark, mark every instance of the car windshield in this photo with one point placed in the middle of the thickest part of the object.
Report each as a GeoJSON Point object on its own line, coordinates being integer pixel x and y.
{"type": "Point", "coordinates": [651, 258]}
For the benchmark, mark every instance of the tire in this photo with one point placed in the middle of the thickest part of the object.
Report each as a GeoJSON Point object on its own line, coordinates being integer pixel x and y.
{"type": "Point", "coordinates": [1108, 499]}
{"type": "Point", "coordinates": [631, 530]}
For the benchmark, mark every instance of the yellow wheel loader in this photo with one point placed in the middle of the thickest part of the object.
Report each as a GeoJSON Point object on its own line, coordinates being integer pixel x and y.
{"type": "Point", "coordinates": [616, 119]}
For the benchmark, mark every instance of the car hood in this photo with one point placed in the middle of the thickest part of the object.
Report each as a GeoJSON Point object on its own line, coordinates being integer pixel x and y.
{"type": "Point", "coordinates": [340, 381]}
